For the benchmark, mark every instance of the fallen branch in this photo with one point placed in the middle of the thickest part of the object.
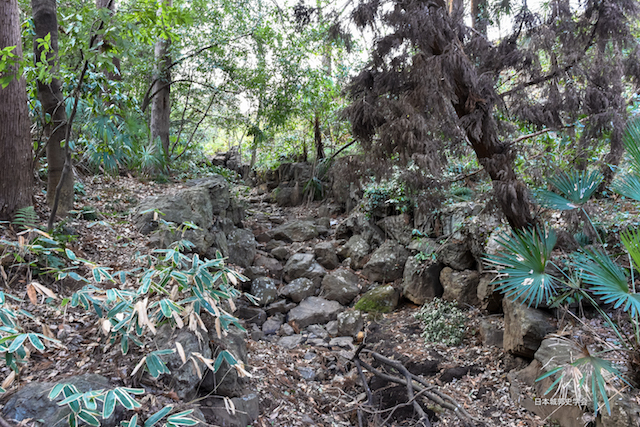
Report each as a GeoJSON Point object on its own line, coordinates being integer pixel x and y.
{"type": "Point", "coordinates": [413, 382]}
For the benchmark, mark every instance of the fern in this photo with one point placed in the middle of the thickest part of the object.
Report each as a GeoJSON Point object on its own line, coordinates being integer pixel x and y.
{"type": "Point", "coordinates": [26, 218]}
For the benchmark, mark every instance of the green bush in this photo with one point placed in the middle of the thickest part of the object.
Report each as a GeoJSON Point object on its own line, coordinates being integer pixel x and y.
{"type": "Point", "coordinates": [442, 321]}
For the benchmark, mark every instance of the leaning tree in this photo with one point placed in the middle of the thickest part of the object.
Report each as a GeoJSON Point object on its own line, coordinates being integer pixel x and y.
{"type": "Point", "coordinates": [432, 81]}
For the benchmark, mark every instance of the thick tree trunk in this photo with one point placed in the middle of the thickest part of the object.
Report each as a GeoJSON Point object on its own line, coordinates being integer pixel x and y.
{"type": "Point", "coordinates": [16, 169]}
{"type": "Point", "coordinates": [52, 100]}
{"type": "Point", "coordinates": [161, 92]}
{"type": "Point", "coordinates": [479, 13]}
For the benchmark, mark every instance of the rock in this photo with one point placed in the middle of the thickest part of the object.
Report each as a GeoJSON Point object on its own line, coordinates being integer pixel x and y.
{"type": "Point", "coordinates": [350, 322]}
{"type": "Point", "coordinates": [271, 265]}
{"type": "Point", "coordinates": [291, 342]}
{"type": "Point", "coordinates": [183, 379]}
{"type": "Point", "coordinates": [382, 299]}
{"type": "Point", "coordinates": [32, 401]}
{"type": "Point", "coordinates": [303, 265]}
{"type": "Point", "coordinates": [306, 373]}
{"type": "Point", "coordinates": [340, 285]}
{"type": "Point", "coordinates": [342, 342]}
{"type": "Point", "coordinates": [251, 314]}
{"type": "Point", "coordinates": [281, 306]}
{"type": "Point", "coordinates": [226, 381]}
{"type": "Point", "coordinates": [247, 410]}
{"type": "Point", "coordinates": [314, 310]}
{"type": "Point", "coordinates": [424, 244]}
{"type": "Point", "coordinates": [386, 263]}
{"type": "Point", "coordinates": [254, 272]}
{"type": "Point", "coordinates": [287, 196]}
{"type": "Point", "coordinates": [272, 325]}
{"type": "Point", "coordinates": [490, 299]}
{"type": "Point", "coordinates": [281, 253]}
{"type": "Point", "coordinates": [326, 255]}
{"type": "Point", "coordinates": [286, 330]}
{"type": "Point", "coordinates": [296, 231]}
{"type": "Point", "coordinates": [318, 330]}
{"type": "Point", "coordinates": [358, 223]}
{"type": "Point", "coordinates": [332, 328]}
{"type": "Point", "coordinates": [524, 328]}
{"type": "Point", "coordinates": [421, 281]}
{"type": "Point", "coordinates": [453, 217]}
{"type": "Point", "coordinates": [206, 200]}
{"type": "Point", "coordinates": [491, 333]}
{"type": "Point", "coordinates": [242, 247]}
{"type": "Point", "coordinates": [460, 286]}
{"type": "Point", "coordinates": [265, 290]}
{"type": "Point", "coordinates": [356, 249]}
{"type": "Point", "coordinates": [456, 255]}
{"type": "Point", "coordinates": [397, 227]}
{"type": "Point", "coordinates": [299, 289]}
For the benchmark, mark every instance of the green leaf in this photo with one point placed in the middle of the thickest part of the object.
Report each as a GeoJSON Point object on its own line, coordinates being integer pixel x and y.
{"type": "Point", "coordinates": [36, 342]}
{"type": "Point", "coordinates": [182, 419]}
{"type": "Point", "coordinates": [109, 404]}
{"type": "Point", "coordinates": [628, 186]}
{"type": "Point", "coordinates": [89, 418]}
{"type": "Point", "coordinates": [17, 343]}
{"type": "Point", "coordinates": [70, 254]}
{"type": "Point", "coordinates": [576, 188]}
{"type": "Point", "coordinates": [153, 420]}
{"type": "Point", "coordinates": [126, 400]}
{"type": "Point", "coordinates": [55, 391]}
{"type": "Point", "coordinates": [523, 264]}
{"type": "Point", "coordinates": [133, 422]}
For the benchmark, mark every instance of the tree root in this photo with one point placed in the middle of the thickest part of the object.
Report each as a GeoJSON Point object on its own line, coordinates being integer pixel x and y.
{"type": "Point", "coordinates": [414, 384]}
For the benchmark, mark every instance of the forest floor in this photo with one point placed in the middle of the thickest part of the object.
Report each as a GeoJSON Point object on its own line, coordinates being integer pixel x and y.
{"type": "Point", "coordinates": [473, 375]}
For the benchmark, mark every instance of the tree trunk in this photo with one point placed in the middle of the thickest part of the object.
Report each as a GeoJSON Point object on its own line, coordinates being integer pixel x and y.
{"type": "Point", "coordinates": [53, 106]}
{"type": "Point", "coordinates": [479, 16]}
{"type": "Point", "coordinates": [161, 91]}
{"type": "Point", "coordinates": [317, 136]}
{"type": "Point", "coordinates": [16, 169]}
{"type": "Point", "coordinates": [455, 6]}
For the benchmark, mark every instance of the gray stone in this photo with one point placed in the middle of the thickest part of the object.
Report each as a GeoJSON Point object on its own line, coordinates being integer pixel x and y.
{"type": "Point", "coordinates": [524, 328]}
{"type": "Point", "coordinates": [281, 253]}
{"type": "Point", "coordinates": [386, 263]}
{"type": "Point", "coordinates": [254, 272]}
{"type": "Point", "coordinates": [32, 401]}
{"type": "Point", "coordinates": [491, 333]}
{"type": "Point", "coordinates": [460, 286]}
{"type": "Point", "coordinates": [350, 322]}
{"type": "Point", "coordinates": [397, 227]}
{"type": "Point", "coordinates": [296, 231]}
{"type": "Point", "coordinates": [423, 244]}
{"type": "Point", "coordinates": [183, 379]}
{"type": "Point", "coordinates": [318, 330]}
{"type": "Point", "coordinates": [272, 325]}
{"type": "Point", "coordinates": [332, 328]}
{"type": "Point", "coordinates": [303, 265]}
{"type": "Point", "coordinates": [251, 314]}
{"type": "Point", "coordinates": [490, 299]}
{"type": "Point", "coordinates": [273, 267]}
{"type": "Point", "coordinates": [421, 281]}
{"type": "Point", "coordinates": [282, 306]}
{"type": "Point", "coordinates": [306, 373]}
{"type": "Point", "coordinates": [456, 255]}
{"type": "Point", "coordinates": [342, 342]}
{"type": "Point", "coordinates": [382, 299]}
{"type": "Point", "coordinates": [265, 290]}
{"type": "Point", "coordinates": [246, 413]}
{"type": "Point", "coordinates": [226, 381]}
{"type": "Point", "coordinates": [314, 310]}
{"type": "Point", "coordinates": [286, 330]}
{"type": "Point", "coordinates": [242, 247]}
{"type": "Point", "coordinates": [356, 249]}
{"type": "Point", "coordinates": [326, 255]}
{"type": "Point", "coordinates": [291, 342]}
{"type": "Point", "coordinates": [340, 285]}
{"type": "Point", "coordinates": [358, 223]}
{"type": "Point", "coordinates": [299, 289]}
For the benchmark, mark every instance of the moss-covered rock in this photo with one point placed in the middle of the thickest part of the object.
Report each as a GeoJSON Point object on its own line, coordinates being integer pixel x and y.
{"type": "Point", "coordinates": [382, 299]}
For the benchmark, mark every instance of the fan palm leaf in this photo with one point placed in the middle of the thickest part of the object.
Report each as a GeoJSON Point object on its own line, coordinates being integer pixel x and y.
{"type": "Point", "coordinates": [609, 281]}
{"type": "Point", "coordinates": [631, 141]}
{"type": "Point", "coordinates": [628, 186]}
{"type": "Point", "coordinates": [575, 188]}
{"type": "Point", "coordinates": [524, 266]}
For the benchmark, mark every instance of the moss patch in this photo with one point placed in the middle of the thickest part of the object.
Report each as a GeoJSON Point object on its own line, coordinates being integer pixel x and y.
{"type": "Point", "coordinates": [382, 299]}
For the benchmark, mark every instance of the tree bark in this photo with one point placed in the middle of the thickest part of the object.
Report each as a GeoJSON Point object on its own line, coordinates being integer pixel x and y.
{"type": "Point", "coordinates": [53, 106]}
{"type": "Point", "coordinates": [15, 145]}
{"type": "Point", "coordinates": [161, 102]}
{"type": "Point", "coordinates": [479, 20]}
{"type": "Point", "coordinates": [317, 136]}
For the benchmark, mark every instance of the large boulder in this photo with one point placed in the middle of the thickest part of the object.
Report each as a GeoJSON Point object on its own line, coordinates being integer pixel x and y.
{"type": "Point", "coordinates": [382, 299]}
{"type": "Point", "coordinates": [206, 202]}
{"type": "Point", "coordinates": [460, 286]}
{"type": "Point", "coordinates": [340, 285]}
{"type": "Point", "coordinates": [421, 281]}
{"type": "Point", "coordinates": [457, 255]}
{"type": "Point", "coordinates": [32, 402]}
{"type": "Point", "coordinates": [326, 255]}
{"type": "Point", "coordinates": [314, 310]}
{"type": "Point", "coordinates": [296, 231]}
{"type": "Point", "coordinates": [524, 328]}
{"type": "Point", "coordinates": [397, 227]}
{"type": "Point", "coordinates": [386, 263]}
{"type": "Point", "coordinates": [226, 381]}
{"type": "Point", "coordinates": [216, 410]}
{"type": "Point", "coordinates": [265, 290]}
{"type": "Point", "coordinates": [358, 223]}
{"type": "Point", "coordinates": [303, 265]}
{"type": "Point", "coordinates": [242, 247]}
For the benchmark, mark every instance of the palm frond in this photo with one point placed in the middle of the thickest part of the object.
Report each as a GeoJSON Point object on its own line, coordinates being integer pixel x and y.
{"type": "Point", "coordinates": [523, 265]}
{"type": "Point", "coordinates": [628, 186]}
{"type": "Point", "coordinates": [609, 281]}
{"type": "Point", "coordinates": [631, 241]}
{"type": "Point", "coordinates": [631, 141]}
{"type": "Point", "coordinates": [575, 188]}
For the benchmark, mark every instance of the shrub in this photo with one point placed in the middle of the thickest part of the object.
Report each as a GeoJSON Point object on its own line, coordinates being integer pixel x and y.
{"type": "Point", "coordinates": [442, 321]}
